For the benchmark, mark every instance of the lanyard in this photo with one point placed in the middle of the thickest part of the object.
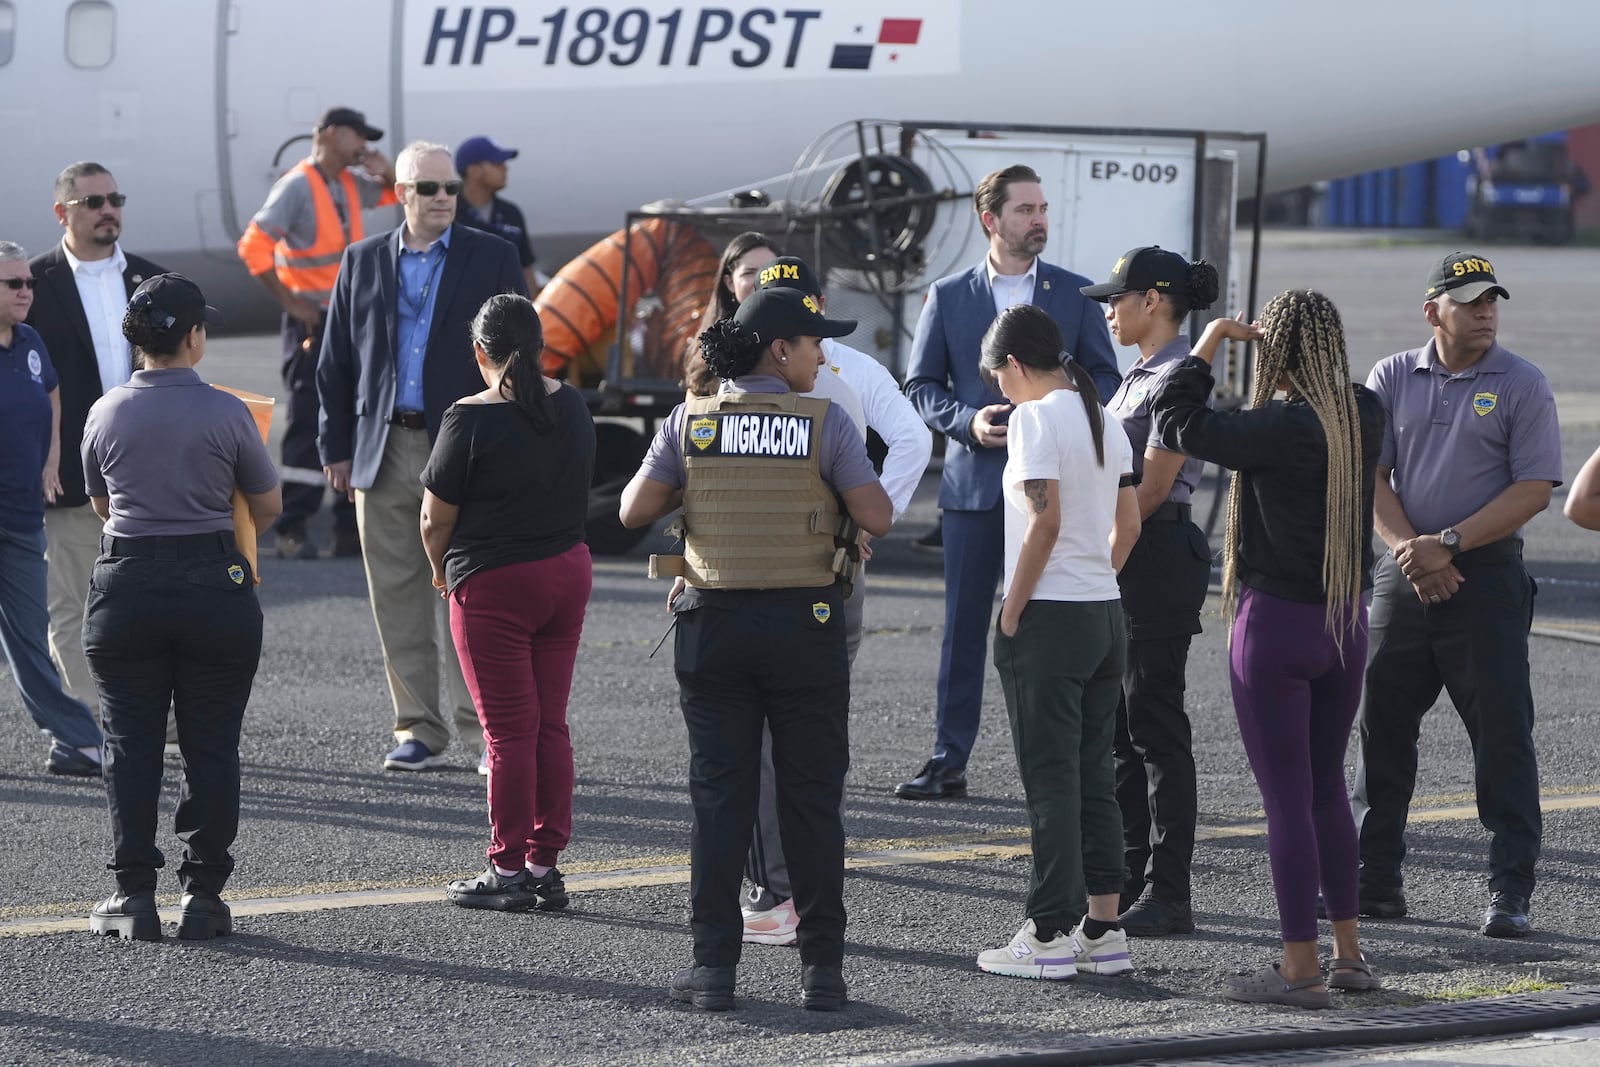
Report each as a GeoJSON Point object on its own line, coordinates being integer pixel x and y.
{"type": "Point", "coordinates": [421, 301]}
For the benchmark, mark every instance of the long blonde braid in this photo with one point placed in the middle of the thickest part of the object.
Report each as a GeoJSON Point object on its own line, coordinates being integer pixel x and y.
{"type": "Point", "coordinates": [1304, 341]}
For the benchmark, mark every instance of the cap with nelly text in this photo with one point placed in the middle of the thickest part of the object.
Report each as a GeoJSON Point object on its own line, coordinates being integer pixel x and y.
{"type": "Point", "coordinates": [173, 304]}
{"type": "Point", "coordinates": [1463, 276]}
{"type": "Point", "coordinates": [790, 272]}
{"type": "Point", "coordinates": [775, 313]}
{"type": "Point", "coordinates": [481, 150]}
{"type": "Point", "coordinates": [1142, 269]}
{"type": "Point", "coordinates": [349, 116]}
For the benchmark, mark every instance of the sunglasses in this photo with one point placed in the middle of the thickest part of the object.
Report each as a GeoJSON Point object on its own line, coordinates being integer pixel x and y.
{"type": "Point", "coordinates": [432, 188]}
{"type": "Point", "coordinates": [96, 202]}
{"type": "Point", "coordinates": [20, 283]}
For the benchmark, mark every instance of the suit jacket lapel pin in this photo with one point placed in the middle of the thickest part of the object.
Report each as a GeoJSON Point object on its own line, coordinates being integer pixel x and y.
{"type": "Point", "coordinates": [137, 278]}
{"type": "Point", "coordinates": [1046, 284]}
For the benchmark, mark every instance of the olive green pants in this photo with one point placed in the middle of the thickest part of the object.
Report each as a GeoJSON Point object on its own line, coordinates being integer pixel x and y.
{"type": "Point", "coordinates": [1062, 677]}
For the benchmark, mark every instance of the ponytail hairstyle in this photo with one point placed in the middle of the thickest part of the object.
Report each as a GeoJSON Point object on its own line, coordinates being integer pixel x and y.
{"type": "Point", "coordinates": [731, 349]}
{"type": "Point", "coordinates": [1304, 341]}
{"type": "Point", "coordinates": [508, 330]}
{"type": "Point", "coordinates": [1031, 337]}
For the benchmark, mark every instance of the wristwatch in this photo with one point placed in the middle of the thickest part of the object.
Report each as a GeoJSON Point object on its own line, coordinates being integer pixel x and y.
{"type": "Point", "coordinates": [1451, 539]}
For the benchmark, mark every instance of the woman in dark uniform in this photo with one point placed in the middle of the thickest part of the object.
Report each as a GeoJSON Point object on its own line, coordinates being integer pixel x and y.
{"type": "Point", "coordinates": [172, 618]}
{"type": "Point", "coordinates": [765, 478]}
{"type": "Point", "coordinates": [1163, 584]}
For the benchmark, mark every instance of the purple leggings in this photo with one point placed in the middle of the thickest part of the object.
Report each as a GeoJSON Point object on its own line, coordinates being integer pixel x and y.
{"type": "Point", "coordinates": [1295, 701]}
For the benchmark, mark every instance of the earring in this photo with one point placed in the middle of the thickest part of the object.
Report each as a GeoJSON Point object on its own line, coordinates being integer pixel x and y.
{"type": "Point", "coordinates": [783, 359]}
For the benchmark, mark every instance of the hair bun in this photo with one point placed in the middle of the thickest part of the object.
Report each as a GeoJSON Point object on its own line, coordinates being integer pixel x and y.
{"type": "Point", "coordinates": [1201, 285]}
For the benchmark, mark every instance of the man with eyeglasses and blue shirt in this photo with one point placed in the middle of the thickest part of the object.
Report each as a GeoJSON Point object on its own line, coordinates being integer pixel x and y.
{"type": "Point", "coordinates": [396, 352]}
{"type": "Point", "coordinates": [83, 288]}
{"type": "Point", "coordinates": [292, 247]}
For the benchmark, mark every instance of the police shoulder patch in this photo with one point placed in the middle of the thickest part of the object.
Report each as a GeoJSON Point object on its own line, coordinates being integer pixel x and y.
{"type": "Point", "coordinates": [236, 573]}
{"type": "Point", "coordinates": [1483, 403]}
{"type": "Point", "coordinates": [821, 611]}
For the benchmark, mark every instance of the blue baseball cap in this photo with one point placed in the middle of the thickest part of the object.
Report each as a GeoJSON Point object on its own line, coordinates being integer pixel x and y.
{"type": "Point", "coordinates": [481, 150]}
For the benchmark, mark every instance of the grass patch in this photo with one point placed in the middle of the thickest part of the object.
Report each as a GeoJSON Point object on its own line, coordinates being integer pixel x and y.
{"type": "Point", "coordinates": [1530, 984]}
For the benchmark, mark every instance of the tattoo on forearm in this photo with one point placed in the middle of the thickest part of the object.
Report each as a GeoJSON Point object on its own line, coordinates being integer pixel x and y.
{"type": "Point", "coordinates": [1037, 490]}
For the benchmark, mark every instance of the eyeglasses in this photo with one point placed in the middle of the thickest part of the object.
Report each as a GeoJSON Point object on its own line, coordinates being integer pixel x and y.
{"type": "Point", "coordinates": [21, 283]}
{"type": "Point", "coordinates": [96, 202]}
{"type": "Point", "coordinates": [432, 188]}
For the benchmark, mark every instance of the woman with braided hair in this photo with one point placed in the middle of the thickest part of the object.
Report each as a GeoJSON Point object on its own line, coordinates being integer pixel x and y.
{"type": "Point", "coordinates": [1297, 562]}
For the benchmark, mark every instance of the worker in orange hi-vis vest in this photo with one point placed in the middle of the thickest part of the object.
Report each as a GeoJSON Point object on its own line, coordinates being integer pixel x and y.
{"type": "Point", "coordinates": [293, 246]}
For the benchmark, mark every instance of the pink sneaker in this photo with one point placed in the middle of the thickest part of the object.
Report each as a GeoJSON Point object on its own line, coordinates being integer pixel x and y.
{"type": "Point", "coordinates": [774, 927]}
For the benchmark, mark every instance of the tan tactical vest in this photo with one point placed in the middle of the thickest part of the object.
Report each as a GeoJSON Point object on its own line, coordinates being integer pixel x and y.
{"type": "Point", "coordinates": [756, 512]}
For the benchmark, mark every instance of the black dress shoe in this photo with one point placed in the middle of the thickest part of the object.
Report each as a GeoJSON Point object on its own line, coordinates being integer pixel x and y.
{"type": "Point", "coordinates": [822, 988]}
{"type": "Point", "coordinates": [202, 915]}
{"type": "Point", "coordinates": [1382, 902]}
{"type": "Point", "coordinates": [707, 988]}
{"type": "Point", "coordinates": [1507, 916]}
{"type": "Point", "coordinates": [130, 915]}
{"type": "Point", "coordinates": [64, 759]}
{"type": "Point", "coordinates": [1151, 916]}
{"type": "Point", "coordinates": [934, 782]}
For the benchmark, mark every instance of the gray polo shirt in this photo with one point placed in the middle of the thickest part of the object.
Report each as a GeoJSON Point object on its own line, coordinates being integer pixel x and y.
{"type": "Point", "coordinates": [1457, 441]}
{"type": "Point", "coordinates": [168, 449]}
{"type": "Point", "coordinates": [1131, 405]}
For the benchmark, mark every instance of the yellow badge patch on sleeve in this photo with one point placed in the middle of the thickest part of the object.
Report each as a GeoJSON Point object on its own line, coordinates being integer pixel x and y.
{"type": "Point", "coordinates": [1483, 403]}
{"type": "Point", "coordinates": [702, 432]}
{"type": "Point", "coordinates": [821, 612]}
{"type": "Point", "coordinates": [236, 573]}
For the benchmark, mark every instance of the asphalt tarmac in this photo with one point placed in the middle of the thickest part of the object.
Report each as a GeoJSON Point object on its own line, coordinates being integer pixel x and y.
{"type": "Point", "coordinates": [346, 952]}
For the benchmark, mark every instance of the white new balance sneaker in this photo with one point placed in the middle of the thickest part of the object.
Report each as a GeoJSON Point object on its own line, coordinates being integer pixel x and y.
{"type": "Point", "coordinates": [776, 926]}
{"type": "Point", "coordinates": [1102, 955]}
{"type": "Point", "coordinates": [1028, 957]}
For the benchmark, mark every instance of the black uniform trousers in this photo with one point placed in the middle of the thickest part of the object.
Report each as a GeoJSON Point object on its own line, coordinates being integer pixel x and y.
{"type": "Point", "coordinates": [172, 621]}
{"type": "Point", "coordinates": [744, 658]}
{"type": "Point", "coordinates": [300, 411]}
{"type": "Point", "coordinates": [1163, 588]}
{"type": "Point", "coordinates": [1475, 647]}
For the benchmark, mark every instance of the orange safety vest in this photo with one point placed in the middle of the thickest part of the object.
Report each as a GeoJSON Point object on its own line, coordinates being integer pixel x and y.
{"type": "Point", "coordinates": [311, 271]}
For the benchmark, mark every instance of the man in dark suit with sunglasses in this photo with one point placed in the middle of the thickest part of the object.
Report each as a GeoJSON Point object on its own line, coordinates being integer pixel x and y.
{"type": "Point", "coordinates": [83, 286]}
{"type": "Point", "coordinates": [396, 352]}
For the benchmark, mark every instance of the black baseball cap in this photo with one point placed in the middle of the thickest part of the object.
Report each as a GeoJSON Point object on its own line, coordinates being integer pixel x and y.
{"type": "Point", "coordinates": [775, 313]}
{"type": "Point", "coordinates": [349, 116]}
{"type": "Point", "coordinates": [173, 304]}
{"type": "Point", "coordinates": [1141, 269]}
{"type": "Point", "coordinates": [1464, 277]}
{"type": "Point", "coordinates": [790, 272]}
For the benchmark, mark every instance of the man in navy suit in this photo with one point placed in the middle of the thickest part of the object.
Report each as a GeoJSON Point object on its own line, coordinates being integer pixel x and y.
{"type": "Point", "coordinates": [397, 351]}
{"type": "Point", "coordinates": [83, 288]}
{"type": "Point", "coordinates": [944, 384]}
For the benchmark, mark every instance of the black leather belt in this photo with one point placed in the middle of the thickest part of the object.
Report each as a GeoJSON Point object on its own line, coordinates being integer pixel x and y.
{"type": "Point", "coordinates": [1170, 512]}
{"type": "Point", "coordinates": [410, 420]}
{"type": "Point", "coordinates": [184, 546]}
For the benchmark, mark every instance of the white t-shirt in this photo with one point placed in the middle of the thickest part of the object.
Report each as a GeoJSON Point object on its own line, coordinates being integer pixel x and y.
{"type": "Point", "coordinates": [1051, 439]}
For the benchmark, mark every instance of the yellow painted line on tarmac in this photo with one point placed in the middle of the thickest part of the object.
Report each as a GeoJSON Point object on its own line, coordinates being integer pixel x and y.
{"type": "Point", "coordinates": [674, 869]}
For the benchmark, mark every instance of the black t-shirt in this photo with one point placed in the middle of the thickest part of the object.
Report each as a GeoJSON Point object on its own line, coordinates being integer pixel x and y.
{"type": "Point", "coordinates": [523, 495]}
{"type": "Point", "coordinates": [505, 221]}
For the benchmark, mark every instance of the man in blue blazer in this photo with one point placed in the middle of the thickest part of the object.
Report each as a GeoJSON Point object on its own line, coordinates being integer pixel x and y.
{"type": "Point", "coordinates": [944, 384]}
{"type": "Point", "coordinates": [397, 351]}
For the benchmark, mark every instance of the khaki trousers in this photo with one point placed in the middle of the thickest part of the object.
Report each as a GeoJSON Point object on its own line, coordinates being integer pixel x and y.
{"type": "Point", "coordinates": [72, 543]}
{"type": "Point", "coordinates": [413, 620]}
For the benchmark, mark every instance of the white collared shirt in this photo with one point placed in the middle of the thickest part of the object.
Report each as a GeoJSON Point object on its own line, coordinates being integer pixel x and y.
{"type": "Point", "coordinates": [1011, 289]}
{"type": "Point", "coordinates": [105, 300]}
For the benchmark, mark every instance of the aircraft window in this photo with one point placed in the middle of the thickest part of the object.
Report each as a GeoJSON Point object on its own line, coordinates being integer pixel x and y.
{"type": "Point", "coordinates": [91, 34]}
{"type": "Point", "coordinates": [8, 29]}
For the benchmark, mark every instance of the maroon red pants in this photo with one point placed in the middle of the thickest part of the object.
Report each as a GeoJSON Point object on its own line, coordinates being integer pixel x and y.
{"type": "Point", "coordinates": [516, 630]}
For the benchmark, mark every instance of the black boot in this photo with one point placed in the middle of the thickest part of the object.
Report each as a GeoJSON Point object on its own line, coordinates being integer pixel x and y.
{"type": "Point", "coordinates": [707, 988]}
{"type": "Point", "coordinates": [202, 916]}
{"type": "Point", "coordinates": [130, 915]}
